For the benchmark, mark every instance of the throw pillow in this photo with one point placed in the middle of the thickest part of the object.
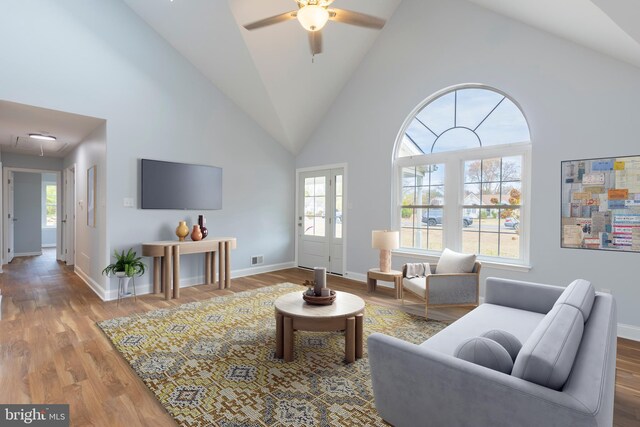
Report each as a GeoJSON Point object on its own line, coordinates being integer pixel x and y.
{"type": "Point", "coordinates": [455, 262]}
{"type": "Point", "coordinates": [485, 352]}
{"type": "Point", "coordinates": [505, 339]}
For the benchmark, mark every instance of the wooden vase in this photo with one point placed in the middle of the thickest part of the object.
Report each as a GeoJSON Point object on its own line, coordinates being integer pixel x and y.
{"type": "Point", "coordinates": [182, 230]}
{"type": "Point", "coordinates": [196, 234]}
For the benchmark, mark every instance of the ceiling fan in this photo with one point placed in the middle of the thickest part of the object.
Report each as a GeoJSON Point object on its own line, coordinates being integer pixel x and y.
{"type": "Point", "coordinates": [314, 14]}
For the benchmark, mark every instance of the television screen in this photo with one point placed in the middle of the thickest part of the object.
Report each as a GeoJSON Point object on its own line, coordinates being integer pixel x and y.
{"type": "Point", "coordinates": [169, 185]}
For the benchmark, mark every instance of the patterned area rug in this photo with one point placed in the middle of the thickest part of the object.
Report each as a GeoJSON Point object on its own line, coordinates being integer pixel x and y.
{"type": "Point", "coordinates": [213, 363]}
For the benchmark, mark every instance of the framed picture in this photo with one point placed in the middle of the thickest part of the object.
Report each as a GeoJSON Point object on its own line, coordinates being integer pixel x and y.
{"type": "Point", "coordinates": [91, 196]}
{"type": "Point", "coordinates": [601, 204]}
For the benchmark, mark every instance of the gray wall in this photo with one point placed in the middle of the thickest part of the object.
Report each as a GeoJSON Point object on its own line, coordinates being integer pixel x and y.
{"type": "Point", "coordinates": [579, 104]}
{"type": "Point", "coordinates": [49, 233]}
{"type": "Point", "coordinates": [157, 105]}
{"type": "Point", "coordinates": [27, 188]}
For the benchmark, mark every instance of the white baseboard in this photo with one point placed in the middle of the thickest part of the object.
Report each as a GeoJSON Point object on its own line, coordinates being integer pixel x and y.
{"type": "Point", "coordinates": [93, 285]}
{"type": "Point", "coordinates": [629, 332]}
{"type": "Point", "coordinates": [28, 254]}
{"type": "Point", "coordinates": [186, 282]}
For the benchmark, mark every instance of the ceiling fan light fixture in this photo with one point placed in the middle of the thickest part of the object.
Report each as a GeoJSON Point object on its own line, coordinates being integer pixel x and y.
{"type": "Point", "coordinates": [42, 137]}
{"type": "Point", "coordinates": [313, 17]}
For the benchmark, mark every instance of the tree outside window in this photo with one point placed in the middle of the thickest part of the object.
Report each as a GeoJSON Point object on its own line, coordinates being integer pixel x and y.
{"type": "Point", "coordinates": [51, 205]}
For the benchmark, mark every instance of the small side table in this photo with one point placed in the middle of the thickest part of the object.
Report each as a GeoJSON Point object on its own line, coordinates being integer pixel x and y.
{"type": "Point", "coordinates": [395, 276]}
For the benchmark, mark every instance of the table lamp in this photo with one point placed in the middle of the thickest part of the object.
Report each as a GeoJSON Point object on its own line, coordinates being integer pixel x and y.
{"type": "Point", "coordinates": [385, 240]}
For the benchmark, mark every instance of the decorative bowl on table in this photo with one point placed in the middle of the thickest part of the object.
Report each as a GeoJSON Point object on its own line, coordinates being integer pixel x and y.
{"type": "Point", "coordinates": [319, 300]}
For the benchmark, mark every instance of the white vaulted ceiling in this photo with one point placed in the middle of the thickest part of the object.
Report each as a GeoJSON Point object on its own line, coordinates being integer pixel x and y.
{"type": "Point", "coordinates": [268, 72]}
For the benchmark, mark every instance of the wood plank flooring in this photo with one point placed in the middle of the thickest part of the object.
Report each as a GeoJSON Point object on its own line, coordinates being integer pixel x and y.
{"type": "Point", "coordinates": [51, 351]}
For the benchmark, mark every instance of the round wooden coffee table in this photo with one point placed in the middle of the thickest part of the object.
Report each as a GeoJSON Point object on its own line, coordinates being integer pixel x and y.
{"type": "Point", "coordinates": [294, 314]}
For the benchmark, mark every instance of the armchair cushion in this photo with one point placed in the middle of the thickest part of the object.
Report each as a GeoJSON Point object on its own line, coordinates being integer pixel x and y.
{"type": "Point", "coordinates": [579, 294]}
{"type": "Point", "coordinates": [417, 285]}
{"type": "Point", "coordinates": [455, 262]}
{"type": "Point", "coordinates": [485, 352]}
{"type": "Point", "coordinates": [505, 339]}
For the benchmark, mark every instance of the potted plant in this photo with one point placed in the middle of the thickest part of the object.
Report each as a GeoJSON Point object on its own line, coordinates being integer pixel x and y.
{"type": "Point", "coordinates": [126, 266]}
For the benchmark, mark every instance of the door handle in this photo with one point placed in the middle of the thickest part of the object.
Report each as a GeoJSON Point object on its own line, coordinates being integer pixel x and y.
{"type": "Point", "coordinates": [63, 220]}
{"type": "Point", "coordinates": [15, 219]}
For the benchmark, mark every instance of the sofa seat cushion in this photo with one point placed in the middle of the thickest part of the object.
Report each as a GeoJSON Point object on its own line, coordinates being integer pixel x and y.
{"type": "Point", "coordinates": [486, 317]}
{"type": "Point", "coordinates": [547, 357]}
{"type": "Point", "coordinates": [579, 294]}
{"type": "Point", "coordinates": [417, 285]}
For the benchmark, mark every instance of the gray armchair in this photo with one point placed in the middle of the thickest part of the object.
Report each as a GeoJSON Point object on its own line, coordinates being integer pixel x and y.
{"type": "Point", "coordinates": [444, 290]}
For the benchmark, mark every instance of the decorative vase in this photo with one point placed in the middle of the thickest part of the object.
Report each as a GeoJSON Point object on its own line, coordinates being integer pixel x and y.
{"type": "Point", "coordinates": [125, 282]}
{"type": "Point", "coordinates": [182, 230]}
{"type": "Point", "coordinates": [202, 221]}
{"type": "Point", "coordinates": [196, 234]}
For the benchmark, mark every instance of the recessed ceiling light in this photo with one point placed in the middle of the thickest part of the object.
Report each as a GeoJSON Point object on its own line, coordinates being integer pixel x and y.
{"type": "Point", "coordinates": [42, 137]}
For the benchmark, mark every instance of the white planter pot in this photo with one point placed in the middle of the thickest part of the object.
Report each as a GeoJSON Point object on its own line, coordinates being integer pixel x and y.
{"type": "Point", "coordinates": [121, 275]}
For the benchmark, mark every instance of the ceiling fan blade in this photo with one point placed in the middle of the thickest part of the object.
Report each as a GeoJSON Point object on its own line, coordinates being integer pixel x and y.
{"type": "Point", "coordinates": [356, 18]}
{"type": "Point", "coordinates": [315, 42]}
{"type": "Point", "coordinates": [272, 20]}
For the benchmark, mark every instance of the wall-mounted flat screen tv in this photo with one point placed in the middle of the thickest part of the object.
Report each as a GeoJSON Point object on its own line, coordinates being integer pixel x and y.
{"type": "Point", "coordinates": [169, 185]}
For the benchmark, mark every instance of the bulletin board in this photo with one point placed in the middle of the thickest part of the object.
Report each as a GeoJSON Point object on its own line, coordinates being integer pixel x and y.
{"type": "Point", "coordinates": [601, 204]}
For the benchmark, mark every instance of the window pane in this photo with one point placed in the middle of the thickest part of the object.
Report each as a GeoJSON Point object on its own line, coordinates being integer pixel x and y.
{"type": "Point", "coordinates": [470, 242]}
{"type": "Point", "coordinates": [51, 194]}
{"type": "Point", "coordinates": [512, 168]}
{"type": "Point", "coordinates": [489, 244]}
{"type": "Point", "coordinates": [510, 245]}
{"type": "Point", "coordinates": [472, 171]}
{"type": "Point", "coordinates": [408, 196]}
{"type": "Point", "coordinates": [51, 216]}
{"type": "Point", "coordinates": [438, 115]}
{"type": "Point", "coordinates": [512, 193]}
{"type": "Point", "coordinates": [435, 239]}
{"type": "Point", "coordinates": [338, 185]}
{"type": "Point", "coordinates": [308, 187]}
{"type": "Point", "coordinates": [338, 218]}
{"type": "Point", "coordinates": [474, 105]}
{"type": "Point", "coordinates": [472, 194]}
{"type": "Point", "coordinates": [436, 195]}
{"type": "Point", "coordinates": [319, 185]}
{"type": "Point", "coordinates": [456, 139]}
{"type": "Point", "coordinates": [309, 229]}
{"type": "Point", "coordinates": [409, 177]}
{"type": "Point", "coordinates": [417, 140]}
{"type": "Point", "coordinates": [491, 170]}
{"type": "Point", "coordinates": [435, 173]}
{"type": "Point", "coordinates": [319, 206]}
{"type": "Point", "coordinates": [505, 125]}
{"type": "Point", "coordinates": [471, 219]}
{"type": "Point", "coordinates": [406, 237]}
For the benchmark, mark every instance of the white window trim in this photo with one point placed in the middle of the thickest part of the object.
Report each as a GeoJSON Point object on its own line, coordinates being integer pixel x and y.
{"type": "Point", "coordinates": [452, 213]}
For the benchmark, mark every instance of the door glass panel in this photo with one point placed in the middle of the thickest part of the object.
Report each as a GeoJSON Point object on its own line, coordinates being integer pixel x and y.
{"type": "Point", "coordinates": [338, 208]}
{"type": "Point", "coordinates": [314, 206]}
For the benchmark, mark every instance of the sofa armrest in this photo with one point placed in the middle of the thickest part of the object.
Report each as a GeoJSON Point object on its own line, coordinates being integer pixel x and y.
{"type": "Point", "coordinates": [522, 295]}
{"type": "Point", "coordinates": [416, 386]}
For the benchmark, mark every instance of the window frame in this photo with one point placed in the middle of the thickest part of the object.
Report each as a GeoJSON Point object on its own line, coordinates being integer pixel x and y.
{"type": "Point", "coordinates": [454, 188]}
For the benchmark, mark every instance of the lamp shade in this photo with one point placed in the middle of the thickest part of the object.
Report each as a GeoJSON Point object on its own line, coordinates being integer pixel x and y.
{"type": "Point", "coordinates": [385, 239]}
{"type": "Point", "coordinates": [313, 17]}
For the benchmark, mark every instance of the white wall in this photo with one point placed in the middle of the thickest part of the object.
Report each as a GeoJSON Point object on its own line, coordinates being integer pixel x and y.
{"type": "Point", "coordinates": [579, 104]}
{"type": "Point", "coordinates": [48, 233]}
{"type": "Point", "coordinates": [91, 242]}
{"type": "Point", "coordinates": [25, 161]}
{"type": "Point", "coordinates": [27, 208]}
{"type": "Point", "coordinates": [101, 60]}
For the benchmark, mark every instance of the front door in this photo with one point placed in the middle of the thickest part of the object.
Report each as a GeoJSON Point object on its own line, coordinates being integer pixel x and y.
{"type": "Point", "coordinates": [321, 220]}
{"type": "Point", "coordinates": [10, 218]}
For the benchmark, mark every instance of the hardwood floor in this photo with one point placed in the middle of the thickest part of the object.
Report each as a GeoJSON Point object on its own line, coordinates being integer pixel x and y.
{"type": "Point", "coordinates": [51, 351]}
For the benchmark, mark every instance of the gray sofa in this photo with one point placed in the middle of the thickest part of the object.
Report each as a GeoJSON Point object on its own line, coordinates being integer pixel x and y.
{"type": "Point", "coordinates": [551, 384]}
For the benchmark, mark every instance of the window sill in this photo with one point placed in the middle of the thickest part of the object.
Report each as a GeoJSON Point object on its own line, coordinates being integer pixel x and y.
{"type": "Point", "coordinates": [432, 257]}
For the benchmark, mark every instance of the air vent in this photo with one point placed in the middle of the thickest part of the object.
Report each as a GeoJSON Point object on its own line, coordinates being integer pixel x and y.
{"type": "Point", "coordinates": [257, 260]}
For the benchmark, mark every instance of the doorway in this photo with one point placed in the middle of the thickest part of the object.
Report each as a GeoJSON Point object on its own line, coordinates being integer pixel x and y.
{"type": "Point", "coordinates": [32, 200]}
{"type": "Point", "coordinates": [321, 220]}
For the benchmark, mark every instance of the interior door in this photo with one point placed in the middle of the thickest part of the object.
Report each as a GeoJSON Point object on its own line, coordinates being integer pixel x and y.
{"type": "Point", "coordinates": [320, 220]}
{"type": "Point", "coordinates": [10, 218]}
{"type": "Point", "coordinates": [68, 220]}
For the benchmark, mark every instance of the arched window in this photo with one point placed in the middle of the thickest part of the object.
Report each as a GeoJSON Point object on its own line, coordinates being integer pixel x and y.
{"type": "Point", "coordinates": [462, 172]}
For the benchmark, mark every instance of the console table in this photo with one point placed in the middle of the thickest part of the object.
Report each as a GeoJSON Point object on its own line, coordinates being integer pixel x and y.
{"type": "Point", "coordinates": [166, 255]}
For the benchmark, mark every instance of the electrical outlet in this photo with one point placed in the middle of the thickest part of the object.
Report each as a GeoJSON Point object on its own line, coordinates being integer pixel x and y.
{"type": "Point", "coordinates": [257, 259]}
{"type": "Point", "coordinates": [128, 202]}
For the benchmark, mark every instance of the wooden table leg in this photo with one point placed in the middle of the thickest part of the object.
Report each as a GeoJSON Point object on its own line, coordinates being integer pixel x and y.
{"type": "Point", "coordinates": [359, 335]}
{"type": "Point", "coordinates": [207, 268]}
{"type": "Point", "coordinates": [279, 337]}
{"type": "Point", "coordinates": [163, 279]}
{"type": "Point", "coordinates": [350, 340]}
{"type": "Point", "coordinates": [156, 274]}
{"type": "Point", "coordinates": [166, 272]}
{"type": "Point", "coordinates": [398, 283]}
{"type": "Point", "coordinates": [371, 284]}
{"type": "Point", "coordinates": [213, 268]}
{"type": "Point", "coordinates": [176, 271]}
{"type": "Point", "coordinates": [220, 265]}
{"type": "Point", "coordinates": [227, 265]}
{"type": "Point", "coordinates": [287, 341]}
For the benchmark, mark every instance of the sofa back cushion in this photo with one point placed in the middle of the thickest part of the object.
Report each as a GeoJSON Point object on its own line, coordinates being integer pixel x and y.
{"type": "Point", "coordinates": [455, 262]}
{"type": "Point", "coordinates": [546, 358]}
{"type": "Point", "coordinates": [580, 294]}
